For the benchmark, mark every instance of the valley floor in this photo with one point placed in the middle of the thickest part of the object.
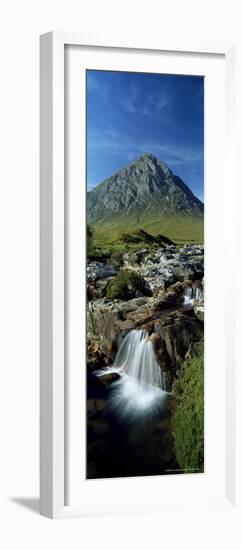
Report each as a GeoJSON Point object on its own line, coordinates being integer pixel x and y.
{"type": "Point", "coordinates": [109, 235]}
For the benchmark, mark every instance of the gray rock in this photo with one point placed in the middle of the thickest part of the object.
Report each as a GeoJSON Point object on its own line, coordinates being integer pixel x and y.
{"type": "Point", "coordinates": [98, 270]}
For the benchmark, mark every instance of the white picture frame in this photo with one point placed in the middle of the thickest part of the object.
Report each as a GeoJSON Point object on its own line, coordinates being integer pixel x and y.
{"type": "Point", "coordinates": [53, 434]}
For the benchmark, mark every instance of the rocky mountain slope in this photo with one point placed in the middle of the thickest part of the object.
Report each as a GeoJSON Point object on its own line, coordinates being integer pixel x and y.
{"type": "Point", "coordinates": [146, 185]}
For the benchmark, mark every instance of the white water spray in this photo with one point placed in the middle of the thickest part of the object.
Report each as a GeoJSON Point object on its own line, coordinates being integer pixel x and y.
{"type": "Point", "coordinates": [191, 293]}
{"type": "Point", "coordinates": [141, 388]}
{"type": "Point", "coordinates": [136, 357]}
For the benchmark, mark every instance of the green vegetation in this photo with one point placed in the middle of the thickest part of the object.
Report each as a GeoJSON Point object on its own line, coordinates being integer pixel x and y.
{"type": "Point", "coordinates": [188, 415]}
{"type": "Point", "coordinates": [141, 236]}
{"type": "Point", "coordinates": [93, 251]}
{"type": "Point", "coordinates": [125, 285]}
{"type": "Point", "coordinates": [112, 235]}
{"type": "Point", "coordinates": [89, 236]}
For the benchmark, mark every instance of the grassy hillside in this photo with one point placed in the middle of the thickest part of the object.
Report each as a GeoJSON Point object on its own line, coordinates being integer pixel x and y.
{"type": "Point", "coordinates": [180, 229]}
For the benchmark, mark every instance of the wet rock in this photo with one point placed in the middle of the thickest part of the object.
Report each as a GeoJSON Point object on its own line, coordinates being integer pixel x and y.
{"type": "Point", "coordinates": [109, 378]}
{"type": "Point", "coordinates": [163, 358]}
{"type": "Point", "coordinates": [178, 331]}
{"type": "Point", "coordinates": [108, 321]}
{"type": "Point", "coordinates": [177, 288]}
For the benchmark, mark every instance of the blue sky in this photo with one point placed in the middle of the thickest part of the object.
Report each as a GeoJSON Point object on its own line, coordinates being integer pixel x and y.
{"type": "Point", "coordinates": [129, 114]}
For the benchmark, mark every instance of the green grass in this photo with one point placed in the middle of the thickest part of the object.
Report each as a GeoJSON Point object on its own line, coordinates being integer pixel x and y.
{"type": "Point", "coordinates": [188, 415]}
{"type": "Point", "coordinates": [180, 229]}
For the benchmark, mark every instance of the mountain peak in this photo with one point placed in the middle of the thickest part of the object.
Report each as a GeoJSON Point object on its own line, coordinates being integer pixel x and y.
{"type": "Point", "coordinates": [148, 156]}
{"type": "Point", "coordinates": [145, 184]}
{"type": "Point", "coordinates": [150, 160]}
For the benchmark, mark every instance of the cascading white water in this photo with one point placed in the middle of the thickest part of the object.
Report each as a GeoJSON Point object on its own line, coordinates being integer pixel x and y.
{"type": "Point", "coordinates": [141, 387]}
{"type": "Point", "coordinates": [192, 293]}
{"type": "Point", "coordinates": [136, 357]}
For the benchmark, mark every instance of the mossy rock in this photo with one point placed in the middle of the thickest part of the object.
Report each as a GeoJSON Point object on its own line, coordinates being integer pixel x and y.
{"type": "Point", "coordinates": [127, 285]}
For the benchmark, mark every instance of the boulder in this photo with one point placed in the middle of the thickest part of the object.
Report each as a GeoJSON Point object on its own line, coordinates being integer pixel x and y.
{"type": "Point", "coordinates": [109, 378]}
{"type": "Point", "coordinates": [99, 270]}
{"type": "Point", "coordinates": [178, 330]}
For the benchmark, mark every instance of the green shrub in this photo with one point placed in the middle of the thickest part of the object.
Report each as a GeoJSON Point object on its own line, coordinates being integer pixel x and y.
{"type": "Point", "coordinates": [188, 415]}
{"type": "Point", "coordinates": [125, 286]}
{"type": "Point", "coordinates": [98, 254]}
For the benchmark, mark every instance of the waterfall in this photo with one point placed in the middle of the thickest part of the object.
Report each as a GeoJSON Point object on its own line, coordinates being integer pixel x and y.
{"type": "Point", "coordinates": [141, 388]}
{"type": "Point", "coordinates": [192, 293]}
{"type": "Point", "coordinates": [136, 357]}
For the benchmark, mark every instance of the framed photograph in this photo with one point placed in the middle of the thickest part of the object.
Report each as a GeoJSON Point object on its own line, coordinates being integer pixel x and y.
{"type": "Point", "coordinates": [137, 196]}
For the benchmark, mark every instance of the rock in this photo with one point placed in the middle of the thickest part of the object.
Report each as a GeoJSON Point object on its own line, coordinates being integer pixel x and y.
{"type": "Point", "coordinates": [199, 312]}
{"type": "Point", "coordinates": [178, 331]}
{"type": "Point", "coordinates": [125, 326]}
{"type": "Point", "coordinates": [141, 254]}
{"type": "Point", "coordinates": [109, 321]}
{"type": "Point", "coordinates": [98, 270]}
{"type": "Point", "coordinates": [130, 259]}
{"type": "Point", "coordinates": [102, 332]}
{"type": "Point", "coordinates": [159, 269]}
{"type": "Point", "coordinates": [92, 292]}
{"type": "Point", "coordinates": [109, 378]}
{"type": "Point", "coordinates": [97, 358]}
{"type": "Point", "coordinates": [116, 260]}
{"type": "Point", "coordinates": [170, 300]}
{"type": "Point", "coordinates": [163, 358]}
{"type": "Point", "coordinates": [101, 286]}
{"type": "Point", "coordinates": [167, 265]}
{"type": "Point", "coordinates": [177, 289]}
